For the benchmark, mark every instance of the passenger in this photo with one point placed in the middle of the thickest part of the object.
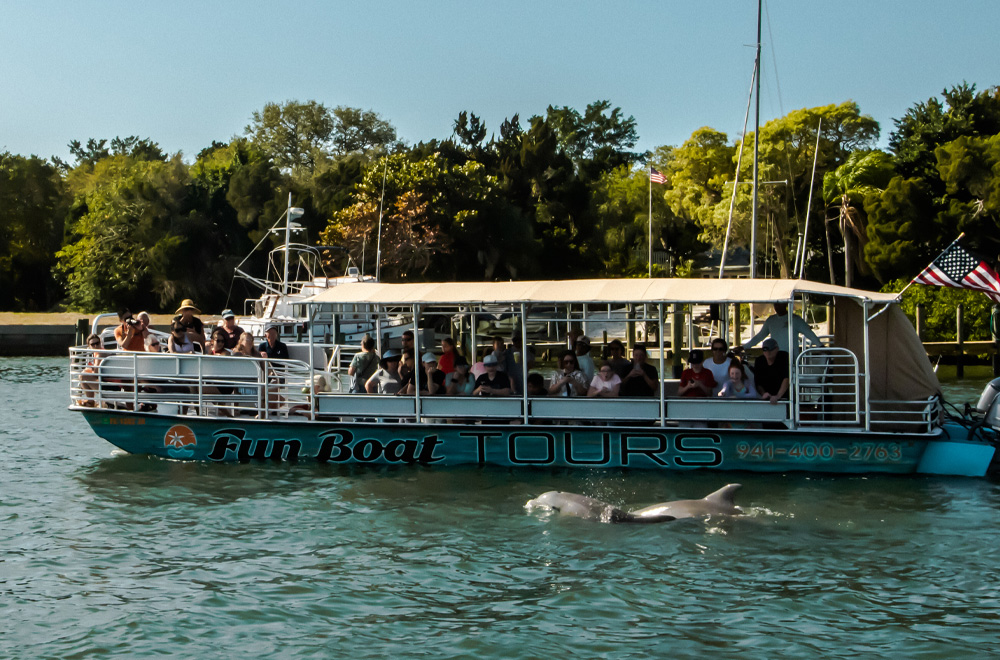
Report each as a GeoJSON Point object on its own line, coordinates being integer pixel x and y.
{"type": "Point", "coordinates": [570, 381]}
{"type": "Point", "coordinates": [218, 344]}
{"type": "Point", "coordinates": [606, 383]}
{"type": "Point", "coordinates": [406, 365]}
{"type": "Point", "coordinates": [736, 386]}
{"type": "Point", "coordinates": [493, 382]}
{"type": "Point", "coordinates": [192, 325]}
{"type": "Point", "coordinates": [459, 382]}
{"type": "Point", "coordinates": [272, 347]}
{"type": "Point", "coordinates": [642, 379]}
{"type": "Point", "coordinates": [507, 364]}
{"type": "Point", "coordinates": [179, 341]}
{"type": "Point", "coordinates": [407, 340]}
{"type": "Point", "coordinates": [89, 377]}
{"type": "Point", "coordinates": [363, 365]}
{"type": "Point", "coordinates": [144, 323]}
{"type": "Point", "coordinates": [447, 362]}
{"type": "Point", "coordinates": [153, 344]}
{"type": "Point", "coordinates": [129, 333]}
{"type": "Point", "coordinates": [245, 347]}
{"type": "Point", "coordinates": [386, 380]}
{"type": "Point", "coordinates": [583, 358]}
{"type": "Point", "coordinates": [616, 358]}
{"type": "Point", "coordinates": [536, 385]}
{"type": "Point", "coordinates": [527, 355]}
{"type": "Point", "coordinates": [696, 380]}
{"type": "Point", "coordinates": [776, 326]}
{"type": "Point", "coordinates": [771, 371]}
{"type": "Point", "coordinates": [430, 379]}
{"type": "Point", "coordinates": [232, 331]}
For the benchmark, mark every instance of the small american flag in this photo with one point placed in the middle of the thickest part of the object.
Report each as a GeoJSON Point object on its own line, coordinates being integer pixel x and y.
{"type": "Point", "coordinates": [656, 176]}
{"type": "Point", "coordinates": [957, 267]}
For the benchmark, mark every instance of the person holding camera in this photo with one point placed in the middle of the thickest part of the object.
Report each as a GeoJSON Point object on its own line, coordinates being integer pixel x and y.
{"type": "Point", "coordinates": [130, 334]}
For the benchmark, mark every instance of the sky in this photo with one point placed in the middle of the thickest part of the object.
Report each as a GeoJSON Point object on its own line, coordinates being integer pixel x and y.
{"type": "Point", "coordinates": [187, 73]}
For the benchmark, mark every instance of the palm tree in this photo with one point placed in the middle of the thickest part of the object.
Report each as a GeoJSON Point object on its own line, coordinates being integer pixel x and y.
{"type": "Point", "coordinates": [844, 190]}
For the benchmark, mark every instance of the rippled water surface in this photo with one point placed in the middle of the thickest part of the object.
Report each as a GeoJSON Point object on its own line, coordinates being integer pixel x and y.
{"type": "Point", "coordinates": [105, 555]}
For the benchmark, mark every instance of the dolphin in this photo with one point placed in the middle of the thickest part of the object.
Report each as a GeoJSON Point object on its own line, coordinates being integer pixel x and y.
{"type": "Point", "coordinates": [719, 503]}
{"type": "Point", "coordinates": [570, 504]}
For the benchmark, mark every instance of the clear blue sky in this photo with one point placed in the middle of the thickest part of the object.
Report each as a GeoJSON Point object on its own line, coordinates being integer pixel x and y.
{"type": "Point", "coordinates": [186, 73]}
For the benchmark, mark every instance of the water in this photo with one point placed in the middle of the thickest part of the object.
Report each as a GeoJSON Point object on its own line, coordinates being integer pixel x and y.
{"type": "Point", "coordinates": [106, 555]}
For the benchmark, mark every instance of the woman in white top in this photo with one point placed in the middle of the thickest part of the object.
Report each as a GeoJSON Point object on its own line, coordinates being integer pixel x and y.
{"type": "Point", "coordinates": [179, 342]}
{"type": "Point", "coordinates": [605, 383]}
{"type": "Point", "coordinates": [570, 381]}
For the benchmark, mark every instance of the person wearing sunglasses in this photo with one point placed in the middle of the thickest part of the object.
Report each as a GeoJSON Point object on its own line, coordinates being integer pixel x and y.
{"type": "Point", "coordinates": [88, 379]}
{"type": "Point", "coordinates": [771, 371]}
{"type": "Point", "coordinates": [179, 341]}
{"type": "Point", "coordinates": [570, 379]}
{"type": "Point", "coordinates": [153, 344]}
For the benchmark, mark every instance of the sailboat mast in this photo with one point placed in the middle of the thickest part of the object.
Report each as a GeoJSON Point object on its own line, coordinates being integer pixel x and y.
{"type": "Point", "coordinates": [756, 153]}
{"type": "Point", "coordinates": [288, 237]}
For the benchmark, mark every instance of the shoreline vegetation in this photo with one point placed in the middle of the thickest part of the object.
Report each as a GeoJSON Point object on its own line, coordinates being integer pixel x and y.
{"type": "Point", "coordinates": [556, 196]}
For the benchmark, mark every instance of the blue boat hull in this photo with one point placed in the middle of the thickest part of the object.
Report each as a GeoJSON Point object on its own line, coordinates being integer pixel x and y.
{"type": "Point", "coordinates": [243, 440]}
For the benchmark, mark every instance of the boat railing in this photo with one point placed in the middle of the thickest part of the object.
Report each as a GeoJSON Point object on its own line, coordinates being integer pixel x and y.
{"type": "Point", "coordinates": [679, 411]}
{"type": "Point", "coordinates": [190, 384]}
{"type": "Point", "coordinates": [828, 388]}
{"type": "Point", "coordinates": [916, 416]}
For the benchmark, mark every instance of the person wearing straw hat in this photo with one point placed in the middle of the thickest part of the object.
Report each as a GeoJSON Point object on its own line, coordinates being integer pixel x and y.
{"type": "Point", "coordinates": [193, 327]}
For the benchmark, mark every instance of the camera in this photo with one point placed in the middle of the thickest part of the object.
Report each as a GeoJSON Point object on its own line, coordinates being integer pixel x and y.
{"type": "Point", "coordinates": [131, 322]}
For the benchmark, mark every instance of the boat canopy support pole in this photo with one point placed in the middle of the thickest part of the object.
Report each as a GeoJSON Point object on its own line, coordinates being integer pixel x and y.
{"type": "Point", "coordinates": [417, 363]}
{"type": "Point", "coordinates": [524, 364]}
{"type": "Point", "coordinates": [663, 364]}
{"type": "Point", "coordinates": [313, 312]}
{"type": "Point", "coordinates": [792, 355]}
{"type": "Point", "coordinates": [868, 375]}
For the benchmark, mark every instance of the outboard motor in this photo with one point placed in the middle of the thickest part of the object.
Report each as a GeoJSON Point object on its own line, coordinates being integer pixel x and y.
{"type": "Point", "coordinates": [989, 404]}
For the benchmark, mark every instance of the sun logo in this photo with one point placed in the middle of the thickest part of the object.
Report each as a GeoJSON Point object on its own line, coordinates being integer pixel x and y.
{"type": "Point", "coordinates": [179, 436]}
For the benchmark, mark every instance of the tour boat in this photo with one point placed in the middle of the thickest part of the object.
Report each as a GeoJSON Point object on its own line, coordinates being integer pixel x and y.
{"type": "Point", "coordinates": [866, 402]}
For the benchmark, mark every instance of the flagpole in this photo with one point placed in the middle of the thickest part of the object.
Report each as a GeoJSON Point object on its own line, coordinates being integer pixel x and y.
{"type": "Point", "coordinates": [900, 294]}
{"type": "Point", "coordinates": [650, 241]}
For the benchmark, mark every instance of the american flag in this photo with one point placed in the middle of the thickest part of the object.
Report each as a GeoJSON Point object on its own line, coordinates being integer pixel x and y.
{"type": "Point", "coordinates": [656, 176]}
{"type": "Point", "coordinates": [957, 267]}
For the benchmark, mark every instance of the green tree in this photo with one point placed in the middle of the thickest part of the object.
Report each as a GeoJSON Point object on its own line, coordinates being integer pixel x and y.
{"type": "Point", "coordinates": [121, 250]}
{"type": "Point", "coordinates": [33, 207]}
{"type": "Point", "coordinates": [904, 234]}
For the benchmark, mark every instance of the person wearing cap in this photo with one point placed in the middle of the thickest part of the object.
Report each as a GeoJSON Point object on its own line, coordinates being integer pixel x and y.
{"type": "Point", "coordinates": [696, 380]}
{"type": "Point", "coordinates": [771, 371]}
{"type": "Point", "coordinates": [192, 325]}
{"type": "Point", "coordinates": [583, 357]}
{"type": "Point", "coordinates": [272, 347]}
{"type": "Point", "coordinates": [493, 382]}
{"type": "Point", "coordinates": [776, 326]}
{"type": "Point", "coordinates": [386, 380]}
{"type": "Point", "coordinates": [232, 331]}
{"type": "Point", "coordinates": [459, 382]}
{"type": "Point", "coordinates": [428, 378]}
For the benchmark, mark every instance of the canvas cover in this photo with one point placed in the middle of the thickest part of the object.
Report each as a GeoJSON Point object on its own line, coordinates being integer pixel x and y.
{"type": "Point", "coordinates": [899, 369]}
{"type": "Point", "coordinates": [606, 291]}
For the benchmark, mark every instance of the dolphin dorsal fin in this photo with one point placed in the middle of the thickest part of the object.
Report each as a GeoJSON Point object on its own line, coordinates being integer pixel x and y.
{"type": "Point", "coordinates": [725, 495]}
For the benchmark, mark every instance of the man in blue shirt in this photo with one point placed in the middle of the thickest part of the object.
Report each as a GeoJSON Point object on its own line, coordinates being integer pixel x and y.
{"type": "Point", "coordinates": [273, 347]}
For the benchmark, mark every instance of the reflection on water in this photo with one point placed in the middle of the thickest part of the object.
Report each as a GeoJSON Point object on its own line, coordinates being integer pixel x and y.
{"type": "Point", "coordinates": [105, 555]}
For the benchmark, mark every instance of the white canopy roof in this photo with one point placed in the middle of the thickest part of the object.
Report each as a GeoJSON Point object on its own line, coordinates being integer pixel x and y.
{"type": "Point", "coordinates": [610, 291]}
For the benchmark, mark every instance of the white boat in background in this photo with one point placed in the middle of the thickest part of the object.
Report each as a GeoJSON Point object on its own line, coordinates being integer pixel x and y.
{"type": "Point", "coordinates": [295, 273]}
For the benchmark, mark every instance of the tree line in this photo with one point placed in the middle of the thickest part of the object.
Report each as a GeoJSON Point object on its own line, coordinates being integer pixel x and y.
{"type": "Point", "coordinates": [558, 195]}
